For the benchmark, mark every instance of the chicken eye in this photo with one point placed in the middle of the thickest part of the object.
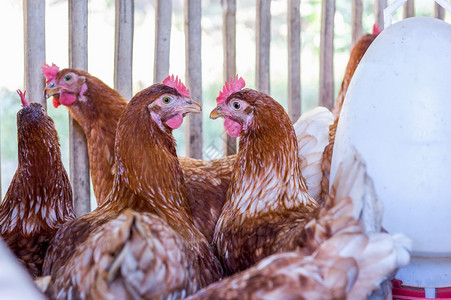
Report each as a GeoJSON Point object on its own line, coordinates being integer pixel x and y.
{"type": "Point", "coordinates": [236, 105]}
{"type": "Point", "coordinates": [166, 100]}
{"type": "Point", "coordinates": [67, 78]}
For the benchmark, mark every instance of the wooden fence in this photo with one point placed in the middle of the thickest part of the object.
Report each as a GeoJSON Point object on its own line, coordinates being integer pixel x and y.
{"type": "Point", "coordinates": [34, 34]}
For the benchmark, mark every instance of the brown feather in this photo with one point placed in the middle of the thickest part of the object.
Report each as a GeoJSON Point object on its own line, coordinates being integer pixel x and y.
{"type": "Point", "coordinates": [341, 260]}
{"type": "Point", "coordinates": [288, 275]}
{"type": "Point", "coordinates": [350, 265]}
{"type": "Point", "coordinates": [267, 202]}
{"type": "Point", "coordinates": [121, 258]}
{"type": "Point", "coordinates": [207, 182]}
{"type": "Point", "coordinates": [148, 180]}
{"type": "Point", "coordinates": [98, 115]}
{"type": "Point", "coordinates": [39, 198]}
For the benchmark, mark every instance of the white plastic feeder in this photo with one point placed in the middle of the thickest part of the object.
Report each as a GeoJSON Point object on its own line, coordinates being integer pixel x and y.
{"type": "Point", "coordinates": [397, 114]}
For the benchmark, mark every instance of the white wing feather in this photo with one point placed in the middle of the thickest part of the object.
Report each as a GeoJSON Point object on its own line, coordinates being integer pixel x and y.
{"type": "Point", "coordinates": [312, 131]}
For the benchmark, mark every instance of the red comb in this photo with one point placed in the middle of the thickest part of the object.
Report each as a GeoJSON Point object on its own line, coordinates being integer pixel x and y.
{"type": "Point", "coordinates": [230, 88]}
{"type": "Point", "coordinates": [177, 84]}
{"type": "Point", "coordinates": [23, 99]}
{"type": "Point", "coordinates": [376, 29]}
{"type": "Point", "coordinates": [50, 72]}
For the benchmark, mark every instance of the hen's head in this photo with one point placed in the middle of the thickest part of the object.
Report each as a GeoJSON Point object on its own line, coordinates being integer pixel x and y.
{"type": "Point", "coordinates": [31, 113]}
{"type": "Point", "coordinates": [36, 131]}
{"type": "Point", "coordinates": [167, 103]}
{"type": "Point", "coordinates": [235, 111]}
{"type": "Point", "coordinates": [241, 107]}
{"type": "Point", "coordinates": [144, 134]}
{"type": "Point", "coordinates": [66, 86]}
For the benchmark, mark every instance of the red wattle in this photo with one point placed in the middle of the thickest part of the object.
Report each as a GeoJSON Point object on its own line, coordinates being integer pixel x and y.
{"type": "Point", "coordinates": [232, 127]}
{"type": "Point", "coordinates": [67, 99]}
{"type": "Point", "coordinates": [55, 102]}
{"type": "Point", "coordinates": [175, 122]}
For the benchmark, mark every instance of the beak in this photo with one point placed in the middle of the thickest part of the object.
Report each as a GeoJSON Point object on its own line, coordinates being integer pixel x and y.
{"type": "Point", "coordinates": [190, 106]}
{"type": "Point", "coordinates": [49, 92]}
{"type": "Point", "coordinates": [216, 113]}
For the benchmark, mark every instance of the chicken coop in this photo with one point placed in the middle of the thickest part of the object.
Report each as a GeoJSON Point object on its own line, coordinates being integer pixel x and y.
{"type": "Point", "coordinates": [37, 36]}
{"type": "Point", "coordinates": [295, 51]}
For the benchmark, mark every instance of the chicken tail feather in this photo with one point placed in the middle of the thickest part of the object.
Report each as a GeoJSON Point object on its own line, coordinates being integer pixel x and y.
{"type": "Point", "coordinates": [136, 255]}
{"type": "Point", "coordinates": [353, 181]}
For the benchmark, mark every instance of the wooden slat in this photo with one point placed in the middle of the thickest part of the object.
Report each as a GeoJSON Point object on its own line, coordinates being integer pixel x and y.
{"type": "Point", "coordinates": [294, 59]}
{"type": "Point", "coordinates": [123, 48]}
{"type": "Point", "coordinates": [193, 11]}
{"type": "Point", "coordinates": [409, 9]}
{"type": "Point", "coordinates": [34, 49]}
{"type": "Point", "coordinates": [326, 71]}
{"type": "Point", "coordinates": [379, 6]}
{"type": "Point", "coordinates": [356, 20]}
{"type": "Point", "coordinates": [78, 58]}
{"type": "Point", "coordinates": [163, 17]}
{"type": "Point", "coordinates": [263, 32]}
{"type": "Point", "coordinates": [229, 51]}
{"type": "Point", "coordinates": [439, 11]}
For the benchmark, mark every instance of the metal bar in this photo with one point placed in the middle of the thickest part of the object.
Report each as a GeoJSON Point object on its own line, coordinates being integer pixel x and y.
{"type": "Point", "coordinates": [357, 13]}
{"type": "Point", "coordinates": [34, 49]}
{"type": "Point", "coordinates": [326, 71]}
{"type": "Point", "coordinates": [78, 59]}
{"type": "Point", "coordinates": [163, 19]}
{"type": "Point", "coordinates": [263, 29]}
{"type": "Point", "coordinates": [439, 11]}
{"type": "Point", "coordinates": [294, 59]}
{"type": "Point", "coordinates": [193, 33]}
{"type": "Point", "coordinates": [379, 6]}
{"type": "Point", "coordinates": [229, 52]}
{"type": "Point", "coordinates": [445, 4]}
{"type": "Point", "coordinates": [123, 48]}
{"type": "Point", "coordinates": [409, 9]}
{"type": "Point", "coordinates": [389, 10]}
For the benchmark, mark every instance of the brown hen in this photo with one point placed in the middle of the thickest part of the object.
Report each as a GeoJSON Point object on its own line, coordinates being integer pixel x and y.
{"type": "Point", "coordinates": [346, 266]}
{"type": "Point", "coordinates": [356, 55]}
{"type": "Point", "coordinates": [39, 198]}
{"type": "Point", "coordinates": [97, 108]}
{"type": "Point", "coordinates": [350, 261]}
{"type": "Point", "coordinates": [267, 203]}
{"type": "Point", "coordinates": [141, 242]}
